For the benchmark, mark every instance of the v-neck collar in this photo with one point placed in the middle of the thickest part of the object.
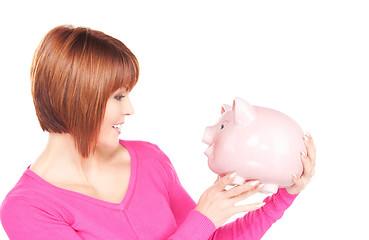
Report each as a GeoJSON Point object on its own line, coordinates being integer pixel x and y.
{"type": "Point", "coordinates": [118, 206]}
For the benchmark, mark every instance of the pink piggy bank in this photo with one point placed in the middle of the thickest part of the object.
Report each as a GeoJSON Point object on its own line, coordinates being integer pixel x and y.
{"type": "Point", "coordinates": [256, 143]}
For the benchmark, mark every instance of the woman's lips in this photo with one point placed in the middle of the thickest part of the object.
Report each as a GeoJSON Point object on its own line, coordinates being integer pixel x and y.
{"type": "Point", "coordinates": [117, 127]}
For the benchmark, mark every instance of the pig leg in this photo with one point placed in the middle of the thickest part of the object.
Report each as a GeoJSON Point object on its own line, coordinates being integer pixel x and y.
{"type": "Point", "coordinates": [269, 188]}
{"type": "Point", "coordinates": [238, 180]}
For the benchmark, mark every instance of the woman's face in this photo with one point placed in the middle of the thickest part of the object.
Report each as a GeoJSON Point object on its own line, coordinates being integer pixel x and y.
{"type": "Point", "coordinates": [117, 107]}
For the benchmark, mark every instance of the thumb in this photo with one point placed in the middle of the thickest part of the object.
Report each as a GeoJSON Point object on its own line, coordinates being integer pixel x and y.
{"type": "Point", "coordinates": [217, 179]}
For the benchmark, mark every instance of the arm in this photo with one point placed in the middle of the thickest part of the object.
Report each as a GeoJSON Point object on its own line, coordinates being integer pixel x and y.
{"type": "Point", "coordinates": [23, 220]}
{"type": "Point", "coordinates": [254, 224]}
{"type": "Point", "coordinates": [191, 224]}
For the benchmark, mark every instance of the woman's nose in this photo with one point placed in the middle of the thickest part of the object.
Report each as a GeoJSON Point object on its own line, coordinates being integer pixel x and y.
{"type": "Point", "coordinates": [128, 108]}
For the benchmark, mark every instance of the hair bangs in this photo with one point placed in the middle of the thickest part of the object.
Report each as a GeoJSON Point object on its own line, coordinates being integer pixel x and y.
{"type": "Point", "coordinates": [124, 72]}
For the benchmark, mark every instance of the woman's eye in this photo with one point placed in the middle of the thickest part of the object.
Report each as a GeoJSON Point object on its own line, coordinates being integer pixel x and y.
{"type": "Point", "coordinates": [119, 97]}
{"type": "Point", "coordinates": [222, 126]}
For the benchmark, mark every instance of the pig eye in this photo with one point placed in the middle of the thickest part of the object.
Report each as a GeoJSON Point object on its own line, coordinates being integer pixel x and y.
{"type": "Point", "coordinates": [223, 125]}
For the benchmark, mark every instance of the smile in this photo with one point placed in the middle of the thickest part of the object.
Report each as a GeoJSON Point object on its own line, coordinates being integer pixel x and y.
{"type": "Point", "coordinates": [118, 127]}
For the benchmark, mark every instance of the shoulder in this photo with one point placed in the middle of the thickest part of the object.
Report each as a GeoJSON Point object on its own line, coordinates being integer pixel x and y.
{"type": "Point", "coordinates": [28, 197]}
{"type": "Point", "coordinates": [150, 153]}
{"type": "Point", "coordinates": [25, 217]}
{"type": "Point", "coordinates": [143, 147]}
{"type": "Point", "coordinates": [13, 204]}
{"type": "Point", "coordinates": [27, 187]}
{"type": "Point", "coordinates": [138, 143]}
{"type": "Point", "coordinates": [25, 209]}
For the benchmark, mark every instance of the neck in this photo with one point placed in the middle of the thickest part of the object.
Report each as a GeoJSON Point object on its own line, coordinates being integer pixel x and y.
{"type": "Point", "coordinates": [61, 155]}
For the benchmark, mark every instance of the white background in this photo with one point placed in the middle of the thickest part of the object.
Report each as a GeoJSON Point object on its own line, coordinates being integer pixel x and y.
{"type": "Point", "coordinates": [308, 59]}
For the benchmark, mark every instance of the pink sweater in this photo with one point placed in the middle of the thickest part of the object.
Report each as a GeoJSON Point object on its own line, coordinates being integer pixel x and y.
{"type": "Point", "coordinates": [156, 206]}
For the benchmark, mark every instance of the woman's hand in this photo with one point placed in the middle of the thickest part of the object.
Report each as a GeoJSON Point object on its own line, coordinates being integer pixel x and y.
{"type": "Point", "coordinates": [308, 161]}
{"type": "Point", "coordinates": [218, 204]}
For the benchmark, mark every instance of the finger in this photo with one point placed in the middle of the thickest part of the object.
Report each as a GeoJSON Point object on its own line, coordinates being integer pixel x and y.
{"type": "Point", "coordinates": [306, 163]}
{"type": "Point", "coordinates": [295, 179]}
{"type": "Point", "coordinates": [312, 150]}
{"type": "Point", "coordinates": [304, 181]}
{"type": "Point", "coordinates": [310, 146]}
{"type": "Point", "coordinates": [224, 181]}
{"type": "Point", "coordinates": [309, 163]}
{"type": "Point", "coordinates": [309, 168]}
{"type": "Point", "coordinates": [248, 193]}
{"type": "Point", "coordinates": [300, 182]}
{"type": "Point", "coordinates": [247, 186]}
{"type": "Point", "coordinates": [248, 207]}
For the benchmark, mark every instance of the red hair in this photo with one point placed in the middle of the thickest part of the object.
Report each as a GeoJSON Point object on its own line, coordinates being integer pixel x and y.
{"type": "Point", "coordinates": [73, 73]}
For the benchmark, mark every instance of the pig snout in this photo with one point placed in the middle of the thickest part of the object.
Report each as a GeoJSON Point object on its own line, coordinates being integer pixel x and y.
{"type": "Point", "coordinates": [208, 135]}
{"type": "Point", "coordinates": [209, 152]}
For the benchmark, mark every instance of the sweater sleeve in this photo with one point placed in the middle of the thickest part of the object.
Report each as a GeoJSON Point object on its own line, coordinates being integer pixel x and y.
{"type": "Point", "coordinates": [194, 225]}
{"type": "Point", "coordinates": [24, 220]}
{"type": "Point", "coordinates": [191, 224]}
{"type": "Point", "coordinates": [254, 224]}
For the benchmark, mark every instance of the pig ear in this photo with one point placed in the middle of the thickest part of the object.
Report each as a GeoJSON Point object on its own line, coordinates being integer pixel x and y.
{"type": "Point", "coordinates": [244, 112]}
{"type": "Point", "coordinates": [225, 108]}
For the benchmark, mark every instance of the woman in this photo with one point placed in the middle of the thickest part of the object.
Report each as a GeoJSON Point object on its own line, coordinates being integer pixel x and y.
{"type": "Point", "coordinates": [88, 184]}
